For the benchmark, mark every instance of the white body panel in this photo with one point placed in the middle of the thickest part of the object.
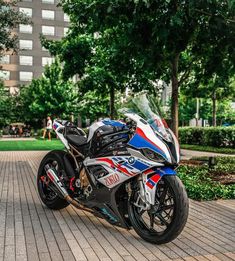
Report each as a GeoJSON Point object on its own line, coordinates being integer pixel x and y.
{"type": "Point", "coordinates": [149, 132]}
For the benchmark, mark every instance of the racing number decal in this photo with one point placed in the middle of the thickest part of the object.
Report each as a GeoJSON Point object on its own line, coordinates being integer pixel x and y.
{"type": "Point", "coordinates": [112, 179]}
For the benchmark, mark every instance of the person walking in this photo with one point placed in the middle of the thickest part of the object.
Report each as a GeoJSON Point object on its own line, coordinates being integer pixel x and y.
{"type": "Point", "coordinates": [48, 129]}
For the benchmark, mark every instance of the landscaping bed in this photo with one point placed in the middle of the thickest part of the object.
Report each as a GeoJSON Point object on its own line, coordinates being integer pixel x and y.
{"type": "Point", "coordinates": [207, 183]}
{"type": "Point", "coordinates": [208, 148]}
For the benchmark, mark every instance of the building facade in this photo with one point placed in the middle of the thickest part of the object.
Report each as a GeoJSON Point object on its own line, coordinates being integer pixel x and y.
{"type": "Point", "coordinates": [28, 64]}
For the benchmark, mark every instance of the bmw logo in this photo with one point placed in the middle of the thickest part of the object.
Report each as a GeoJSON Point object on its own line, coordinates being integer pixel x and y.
{"type": "Point", "coordinates": [131, 160]}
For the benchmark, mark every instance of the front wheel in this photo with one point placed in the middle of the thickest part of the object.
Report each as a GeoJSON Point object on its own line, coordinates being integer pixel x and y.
{"type": "Point", "coordinates": [164, 221]}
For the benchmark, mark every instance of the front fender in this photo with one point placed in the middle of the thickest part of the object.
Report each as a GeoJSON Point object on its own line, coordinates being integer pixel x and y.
{"type": "Point", "coordinates": [151, 179]}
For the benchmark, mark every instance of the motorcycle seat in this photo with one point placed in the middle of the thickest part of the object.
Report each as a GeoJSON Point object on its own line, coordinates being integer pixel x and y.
{"type": "Point", "coordinates": [76, 140]}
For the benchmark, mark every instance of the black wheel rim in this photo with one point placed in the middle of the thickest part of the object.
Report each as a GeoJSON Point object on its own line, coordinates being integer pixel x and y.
{"type": "Point", "coordinates": [159, 218]}
{"type": "Point", "coordinates": [44, 183]}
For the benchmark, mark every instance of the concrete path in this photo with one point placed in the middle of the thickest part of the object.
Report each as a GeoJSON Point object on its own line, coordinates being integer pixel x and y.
{"type": "Point", "coordinates": [30, 231]}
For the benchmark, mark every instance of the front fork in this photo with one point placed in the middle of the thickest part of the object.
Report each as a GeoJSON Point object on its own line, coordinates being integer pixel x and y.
{"type": "Point", "coordinates": [148, 184]}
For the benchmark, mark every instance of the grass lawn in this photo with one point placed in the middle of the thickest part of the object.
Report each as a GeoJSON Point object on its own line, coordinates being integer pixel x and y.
{"type": "Point", "coordinates": [208, 148]}
{"type": "Point", "coordinates": [31, 145]}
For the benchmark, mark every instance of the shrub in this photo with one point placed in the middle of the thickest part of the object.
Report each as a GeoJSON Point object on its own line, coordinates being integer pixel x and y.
{"type": "Point", "coordinates": [208, 136]}
{"type": "Point", "coordinates": [200, 186]}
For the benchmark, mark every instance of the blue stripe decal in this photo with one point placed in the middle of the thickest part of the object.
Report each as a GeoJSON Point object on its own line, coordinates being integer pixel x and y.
{"type": "Point", "coordinates": [139, 142]}
{"type": "Point", "coordinates": [113, 123]}
{"type": "Point", "coordinates": [165, 171]}
{"type": "Point", "coordinates": [140, 166]}
{"type": "Point", "coordinates": [151, 182]}
{"type": "Point", "coordinates": [127, 165]}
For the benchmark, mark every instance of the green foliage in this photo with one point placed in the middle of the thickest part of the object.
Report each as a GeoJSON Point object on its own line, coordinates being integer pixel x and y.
{"type": "Point", "coordinates": [200, 186]}
{"type": "Point", "coordinates": [3, 104]}
{"type": "Point", "coordinates": [8, 106]}
{"type": "Point", "coordinates": [118, 44]}
{"type": "Point", "coordinates": [10, 18]}
{"type": "Point", "coordinates": [49, 95]}
{"type": "Point", "coordinates": [93, 105]}
{"type": "Point", "coordinates": [187, 108]}
{"type": "Point", "coordinates": [209, 136]}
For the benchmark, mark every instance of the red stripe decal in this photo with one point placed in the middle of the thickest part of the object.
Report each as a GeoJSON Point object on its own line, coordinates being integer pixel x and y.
{"type": "Point", "coordinates": [119, 167]}
{"type": "Point", "coordinates": [142, 134]}
{"type": "Point", "coordinates": [148, 171]}
{"type": "Point", "coordinates": [150, 185]}
{"type": "Point", "coordinates": [155, 178]}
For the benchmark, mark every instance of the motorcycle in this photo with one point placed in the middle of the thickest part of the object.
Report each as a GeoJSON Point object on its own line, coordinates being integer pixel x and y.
{"type": "Point", "coordinates": [122, 171]}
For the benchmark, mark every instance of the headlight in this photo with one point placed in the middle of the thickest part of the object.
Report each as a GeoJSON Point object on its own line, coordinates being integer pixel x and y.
{"type": "Point", "coordinates": [152, 155]}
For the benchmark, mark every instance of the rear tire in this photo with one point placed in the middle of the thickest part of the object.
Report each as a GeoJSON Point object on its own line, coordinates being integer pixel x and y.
{"type": "Point", "coordinates": [49, 197]}
{"type": "Point", "coordinates": [178, 217]}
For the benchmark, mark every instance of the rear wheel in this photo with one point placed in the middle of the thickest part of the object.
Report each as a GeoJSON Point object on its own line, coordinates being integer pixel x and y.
{"type": "Point", "coordinates": [167, 218]}
{"type": "Point", "coordinates": [45, 187]}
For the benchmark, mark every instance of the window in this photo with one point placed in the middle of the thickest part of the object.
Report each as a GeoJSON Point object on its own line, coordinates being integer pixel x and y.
{"type": "Point", "coordinates": [27, 11]}
{"type": "Point", "coordinates": [26, 60]}
{"type": "Point", "coordinates": [28, 29]}
{"type": "Point", "coordinates": [66, 29]}
{"type": "Point", "coordinates": [48, 1]}
{"type": "Point", "coordinates": [26, 76]}
{"type": "Point", "coordinates": [47, 60]}
{"type": "Point", "coordinates": [48, 30]}
{"type": "Point", "coordinates": [5, 59]}
{"type": "Point", "coordinates": [26, 44]}
{"type": "Point", "coordinates": [4, 75]}
{"type": "Point", "coordinates": [66, 18]}
{"type": "Point", "coordinates": [48, 14]}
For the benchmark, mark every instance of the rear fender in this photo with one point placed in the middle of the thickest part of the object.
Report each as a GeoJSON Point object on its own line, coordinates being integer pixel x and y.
{"type": "Point", "coordinates": [151, 179]}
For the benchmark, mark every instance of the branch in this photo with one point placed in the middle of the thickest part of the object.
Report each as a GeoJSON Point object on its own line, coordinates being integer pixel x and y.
{"type": "Point", "coordinates": [210, 14]}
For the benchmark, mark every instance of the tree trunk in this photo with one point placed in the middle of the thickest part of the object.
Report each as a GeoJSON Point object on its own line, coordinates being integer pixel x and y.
{"type": "Point", "coordinates": [175, 95]}
{"type": "Point", "coordinates": [111, 102]}
{"type": "Point", "coordinates": [214, 109]}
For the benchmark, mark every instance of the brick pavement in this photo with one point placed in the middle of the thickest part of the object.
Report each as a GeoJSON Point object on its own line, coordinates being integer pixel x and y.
{"type": "Point", "coordinates": [30, 231]}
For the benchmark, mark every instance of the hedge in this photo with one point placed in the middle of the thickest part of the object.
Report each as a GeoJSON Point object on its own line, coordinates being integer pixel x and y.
{"type": "Point", "coordinates": [208, 136]}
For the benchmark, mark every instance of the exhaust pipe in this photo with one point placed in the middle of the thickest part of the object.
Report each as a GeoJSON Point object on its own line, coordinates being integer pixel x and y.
{"type": "Point", "coordinates": [51, 173]}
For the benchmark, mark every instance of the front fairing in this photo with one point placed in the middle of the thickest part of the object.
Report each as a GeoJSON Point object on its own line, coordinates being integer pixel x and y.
{"type": "Point", "coordinates": [151, 132]}
{"type": "Point", "coordinates": [145, 137]}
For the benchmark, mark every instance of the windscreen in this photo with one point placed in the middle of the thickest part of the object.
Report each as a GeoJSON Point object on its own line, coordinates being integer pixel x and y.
{"type": "Point", "coordinates": [147, 107]}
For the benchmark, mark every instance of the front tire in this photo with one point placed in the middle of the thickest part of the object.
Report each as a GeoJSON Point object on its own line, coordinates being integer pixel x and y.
{"type": "Point", "coordinates": [165, 221]}
{"type": "Point", "coordinates": [47, 195]}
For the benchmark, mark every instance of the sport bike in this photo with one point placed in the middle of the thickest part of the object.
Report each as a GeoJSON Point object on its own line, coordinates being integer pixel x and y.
{"type": "Point", "coordinates": [122, 171]}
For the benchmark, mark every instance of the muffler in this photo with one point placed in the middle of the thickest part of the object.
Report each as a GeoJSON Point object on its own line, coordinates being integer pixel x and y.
{"type": "Point", "coordinates": [51, 173]}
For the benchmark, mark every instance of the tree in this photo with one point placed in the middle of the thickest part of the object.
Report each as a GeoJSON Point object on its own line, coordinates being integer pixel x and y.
{"type": "Point", "coordinates": [3, 104]}
{"type": "Point", "coordinates": [48, 95]}
{"type": "Point", "coordinates": [149, 39]}
{"type": "Point", "coordinates": [187, 109]}
{"type": "Point", "coordinates": [10, 18]}
{"type": "Point", "coordinates": [93, 105]}
{"type": "Point", "coordinates": [8, 106]}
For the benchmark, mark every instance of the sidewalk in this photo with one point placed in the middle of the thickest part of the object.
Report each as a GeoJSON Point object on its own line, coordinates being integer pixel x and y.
{"type": "Point", "coordinates": [30, 231]}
